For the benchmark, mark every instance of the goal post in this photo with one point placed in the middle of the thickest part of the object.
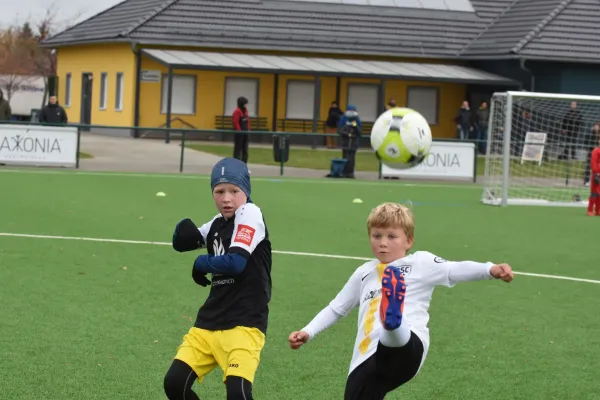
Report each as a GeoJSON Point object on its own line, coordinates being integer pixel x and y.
{"type": "Point", "coordinates": [538, 149]}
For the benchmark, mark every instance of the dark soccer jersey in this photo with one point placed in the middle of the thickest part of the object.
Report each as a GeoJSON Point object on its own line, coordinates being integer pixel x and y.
{"type": "Point", "coordinates": [238, 300]}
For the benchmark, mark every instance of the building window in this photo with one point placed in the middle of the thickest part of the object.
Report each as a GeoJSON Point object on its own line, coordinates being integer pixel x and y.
{"type": "Point", "coordinates": [68, 90]}
{"type": "Point", "coordinates": [366, 99]}
{"type": "Point", "coordinates": [425, 101]}
{"type": "Point", "coordinates": [183, 101]}
{"type": "Point", "coordinates": [300, 100]}
{"type": "Point", "coordinates": [119, 92]}
{"type": "Point", "coordinates": [103, 90]}
{"type": "Point", "coordinates": [241, 87]}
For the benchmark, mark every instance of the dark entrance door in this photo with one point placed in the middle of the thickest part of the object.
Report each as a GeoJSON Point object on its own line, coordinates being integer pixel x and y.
{"type": "Point", "coordinates": [87, 80]}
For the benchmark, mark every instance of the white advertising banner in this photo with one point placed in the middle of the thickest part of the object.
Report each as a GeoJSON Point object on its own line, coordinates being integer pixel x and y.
{"type": "Point", "coordinates": [446, 160]}
{"type": "Point", "coordinates": [38, 145]}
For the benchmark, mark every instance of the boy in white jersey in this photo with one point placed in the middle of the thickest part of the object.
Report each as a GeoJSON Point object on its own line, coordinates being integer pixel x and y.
{"type": "Point", "coordinates": [393, 293]}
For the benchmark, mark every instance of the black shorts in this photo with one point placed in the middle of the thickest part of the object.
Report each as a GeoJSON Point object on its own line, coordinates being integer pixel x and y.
{"type": "Point", "coordinates": [386, 370]}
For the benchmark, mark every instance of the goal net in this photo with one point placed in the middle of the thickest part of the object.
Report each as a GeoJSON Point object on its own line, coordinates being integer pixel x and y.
{"type": "Point", "coordinates": [538, 149]}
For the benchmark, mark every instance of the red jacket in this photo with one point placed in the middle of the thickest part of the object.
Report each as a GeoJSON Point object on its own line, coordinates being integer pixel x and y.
{"type": "Point", "coordinates": [240, 119]}
{"type": "Point", "coordinates": [595, 162]}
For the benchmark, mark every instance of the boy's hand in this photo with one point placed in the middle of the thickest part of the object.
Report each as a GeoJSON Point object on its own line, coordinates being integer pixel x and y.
{"type": "Point", "coordinates": [297, 339]}
{"type": "Point", "coordinates": [502, 271]}
{"type": "Point", "coordinates": [186, 237]}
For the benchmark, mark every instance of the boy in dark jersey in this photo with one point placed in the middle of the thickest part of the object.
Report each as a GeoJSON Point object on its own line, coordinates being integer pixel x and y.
{"type": "Point", "coordinates": [230, 328]}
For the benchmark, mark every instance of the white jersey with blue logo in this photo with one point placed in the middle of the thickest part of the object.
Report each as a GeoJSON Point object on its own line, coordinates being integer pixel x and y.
{"type": "Point", "coordinates": [423, 271]}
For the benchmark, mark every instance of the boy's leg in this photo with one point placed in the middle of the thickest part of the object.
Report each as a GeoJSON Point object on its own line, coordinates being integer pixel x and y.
{"type": "Point", "coordinates": [400, 351]}
{"type": "Point", "coordinates": [238, 354]}
{"type": "Point", "coordinates": [245, 140]}
{"type": "Point", "coordinates": [363, 383]}
{"type": "Point", "coordinates": [179, 380]}
{"type": "Point", "coordinates": [194, 359]}
{"type": "Point", "coordinates": [591, 203]}
{"type": "Point", "coordinates": [237, 146]}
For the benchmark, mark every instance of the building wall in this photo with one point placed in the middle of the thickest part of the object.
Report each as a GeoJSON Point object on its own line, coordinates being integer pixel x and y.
{"type": "Point", "coordinates": [210, 97]}
{"type": "Point", "coordinates": [96, 59]}
{"type": "Point", "coordinates": [210, 91]}
{"type": "Point", "coordinates": [580, 79]}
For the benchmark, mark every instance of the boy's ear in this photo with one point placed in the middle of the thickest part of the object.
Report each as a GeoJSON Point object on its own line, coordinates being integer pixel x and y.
{"type": "Point", "coordinates": [410, 242]}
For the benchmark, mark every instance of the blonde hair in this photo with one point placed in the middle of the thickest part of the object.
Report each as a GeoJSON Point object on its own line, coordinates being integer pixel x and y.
{"type": "Point", "coordinates": [392, 215]}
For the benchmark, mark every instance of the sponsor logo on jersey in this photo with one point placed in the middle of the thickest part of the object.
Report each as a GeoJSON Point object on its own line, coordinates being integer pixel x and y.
{"type": "Point", "coordinates": [439, 260]}
{"type": "Point", "coordinates": [372, 294]}
{"type": "Point", "coordinates": [220, 282]}
{"type": "Point", "coordinates": [244, 234]}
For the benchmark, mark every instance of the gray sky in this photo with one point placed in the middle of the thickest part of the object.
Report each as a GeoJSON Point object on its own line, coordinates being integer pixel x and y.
{"type": "Point", "coordinates": [22, 10]}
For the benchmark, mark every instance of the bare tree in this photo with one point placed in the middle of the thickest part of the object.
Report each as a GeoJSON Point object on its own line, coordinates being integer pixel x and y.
{"type": "Point", "coordinates": [16, 61]}
{"type": "Point", "coordinates": [22, 57]}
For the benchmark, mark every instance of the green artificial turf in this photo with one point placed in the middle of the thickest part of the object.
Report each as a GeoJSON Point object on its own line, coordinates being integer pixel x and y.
{"type": "Point", "coordinates": [96, 320]}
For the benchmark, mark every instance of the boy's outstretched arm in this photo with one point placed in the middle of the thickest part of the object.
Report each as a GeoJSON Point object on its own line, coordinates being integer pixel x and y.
{"type": "Point", "coordinates": [340, 306]}
{"type": "Point", "coordinates": [449, 273]}
{"type": "Point", "coordinates": [249, 230]}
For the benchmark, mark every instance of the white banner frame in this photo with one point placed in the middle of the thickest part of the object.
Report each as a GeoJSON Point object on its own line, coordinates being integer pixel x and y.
{"type": "Point", "coordinates": [38, 145]}
{"type": "Point", "coordinates": [447, 160]}
{"type": "Point", "coordinates": [533, 148]}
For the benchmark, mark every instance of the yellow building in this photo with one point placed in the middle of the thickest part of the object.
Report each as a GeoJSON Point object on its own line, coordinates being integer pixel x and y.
{"type": "Point", "coordinates": [291, 59]}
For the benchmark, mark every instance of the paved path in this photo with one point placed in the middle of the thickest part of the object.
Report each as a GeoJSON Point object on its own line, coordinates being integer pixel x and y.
{"type": "Point", "coordinates": [153, 155]}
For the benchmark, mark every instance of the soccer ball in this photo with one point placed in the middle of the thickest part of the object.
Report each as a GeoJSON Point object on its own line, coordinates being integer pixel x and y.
{"type": "Point", "coordinates": [401, 138]}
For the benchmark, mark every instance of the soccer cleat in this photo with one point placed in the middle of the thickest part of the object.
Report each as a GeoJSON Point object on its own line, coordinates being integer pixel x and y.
{"type": "Point", "coordinates": [393, 292]}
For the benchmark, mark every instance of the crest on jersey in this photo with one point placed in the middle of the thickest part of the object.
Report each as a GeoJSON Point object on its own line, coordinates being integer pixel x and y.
{"type": "Point", "coordinates": [405, 269]}
{"type": "Point", "coordinates": [218, 248]}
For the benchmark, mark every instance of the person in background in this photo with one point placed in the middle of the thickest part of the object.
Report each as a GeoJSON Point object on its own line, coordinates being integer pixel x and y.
{"type": "Point", "coordinates": [391, 104]}
{"type": "Point", "coordinates": [464, 121]}
{"type": "Point", "coordinates": [332, 123]}
{"type": "Point", "coordinates": [53, 113]}
{"type": "Point", "coordinates": [350, 129]}
{"type": "Point", "coordinates": [241, 123]}
{"type": "Point", "coordinates": [571, 126]}
{"type": "Point", "coordinates": [482, 116]}
{"type": "Point", "coordinates": [594, 199]}
{"type": "Point", "coordinates": [591, 141]}
{"type": "Point", "coordinates": [5, 111]}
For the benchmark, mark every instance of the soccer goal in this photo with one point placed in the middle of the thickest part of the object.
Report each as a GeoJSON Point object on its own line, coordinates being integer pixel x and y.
{"type": "Point", "coordinates": [538, 149]}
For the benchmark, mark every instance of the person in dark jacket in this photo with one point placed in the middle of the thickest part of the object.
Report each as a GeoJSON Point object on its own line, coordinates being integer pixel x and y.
{"type": "Point", "coordinates": [571, 127]}
{"type": "Point", "coordinates": [464, 122]}
{"type": "Point", "coordinates": [241, 123]}
{"type": "Point", "coordinates": [53, 113]}
{"type": "Point", "coordinates": [350, 131]}
{"type": "Point", "coordinates": [331, 124]}
{"type": "Point", "coordinates": [5, 111]}
{"type": "Point", "coordinates": [482, 115]}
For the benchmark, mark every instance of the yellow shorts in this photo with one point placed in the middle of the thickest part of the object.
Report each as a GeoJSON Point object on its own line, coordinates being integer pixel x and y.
{"type": "Point", "coordinates": [236, 351]}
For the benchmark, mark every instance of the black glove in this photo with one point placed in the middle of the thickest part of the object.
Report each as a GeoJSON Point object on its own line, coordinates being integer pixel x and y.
{"type": "Point", "coordinates": [596, 179]}
{"type": "Point", "coordinates": [187, 237]}
{"type": "Point", "coordinates": [200, 278]}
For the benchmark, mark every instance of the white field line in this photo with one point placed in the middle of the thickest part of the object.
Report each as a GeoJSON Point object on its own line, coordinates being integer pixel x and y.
{"type": "Point", "coordinates": [292, 253]}
{"type": "Point", "coordinates": [281, 179]}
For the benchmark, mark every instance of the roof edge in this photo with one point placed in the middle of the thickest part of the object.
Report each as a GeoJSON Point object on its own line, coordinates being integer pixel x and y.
{"type": "Point", "coordinates": [490, 25]}
{"type": "Point", "coordinates": [83, 42]}
{"type": "Point", "coordinates": [540, 27]}
{"type": "Point", "coordinates": [147, 17]}
{"type": "Point", "coordinates": [51, 38]}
